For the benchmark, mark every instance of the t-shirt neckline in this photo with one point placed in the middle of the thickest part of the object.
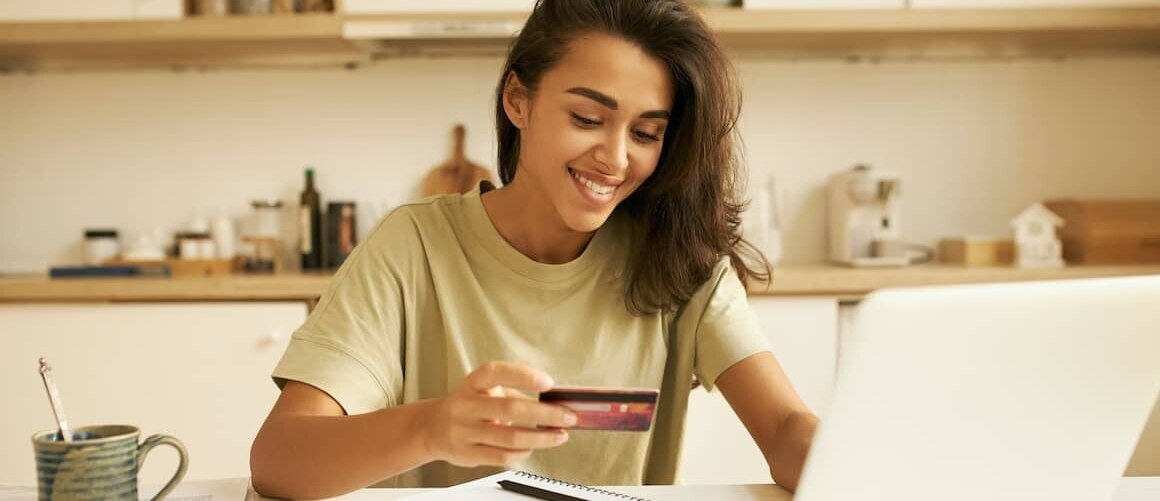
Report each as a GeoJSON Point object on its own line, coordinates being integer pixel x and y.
{"type": "Point", "coordinates": [490, 238]}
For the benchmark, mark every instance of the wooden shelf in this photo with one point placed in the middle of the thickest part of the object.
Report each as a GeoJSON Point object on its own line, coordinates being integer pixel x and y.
{"type": "Point", "coordinates": [819, 280]}
{"type": "Point", "coordinates": [286, 287]}
{"type": "Point", "coordinates": [853, 283]}
{"type": "Point", "coordinates": [941, 32]}
{"type": "Point", "coordinates": [225, 41]}
{"type": "Point", "coordinates": [336, 39]}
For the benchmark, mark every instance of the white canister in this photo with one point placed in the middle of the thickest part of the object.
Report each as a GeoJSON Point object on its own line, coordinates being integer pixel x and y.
{"type": "Point", "coordinates": [224, 237]}
{"type": "Point", "coordinates": [101, 245]}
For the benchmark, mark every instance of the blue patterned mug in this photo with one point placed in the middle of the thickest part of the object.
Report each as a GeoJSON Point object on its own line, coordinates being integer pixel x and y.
{"type": "Point", "coordinates": [101, 462]}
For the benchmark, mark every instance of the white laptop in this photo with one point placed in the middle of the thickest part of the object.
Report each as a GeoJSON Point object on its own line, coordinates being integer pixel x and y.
{"type": "Point", "coordinates": [1023, 391]}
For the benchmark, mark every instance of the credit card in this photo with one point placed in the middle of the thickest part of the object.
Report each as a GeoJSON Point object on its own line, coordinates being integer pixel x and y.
{"type": "Point", "coordinates": [616, 409]}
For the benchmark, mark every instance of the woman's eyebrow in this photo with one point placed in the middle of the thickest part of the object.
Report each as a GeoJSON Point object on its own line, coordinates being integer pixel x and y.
{"type": "Point", "coordinates": [610, 103]}
{"type": "Point", "coordinates": [595, 95]}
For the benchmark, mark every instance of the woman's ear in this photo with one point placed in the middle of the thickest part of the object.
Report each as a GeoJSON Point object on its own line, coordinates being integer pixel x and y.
{"type": "Point", "coordinates": [516, 102]}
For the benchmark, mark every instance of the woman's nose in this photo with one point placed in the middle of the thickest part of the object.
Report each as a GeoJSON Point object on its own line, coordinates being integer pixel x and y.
{"type": "Point", "coordinates": [613, 154]}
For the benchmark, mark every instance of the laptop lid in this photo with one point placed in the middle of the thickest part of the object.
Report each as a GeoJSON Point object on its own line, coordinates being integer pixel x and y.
{"type": "Point", "coordinates": [1018, 391]}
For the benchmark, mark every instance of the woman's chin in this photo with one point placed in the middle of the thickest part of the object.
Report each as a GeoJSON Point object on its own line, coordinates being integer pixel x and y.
{"type": "Point", "coordinates": [586, 222]}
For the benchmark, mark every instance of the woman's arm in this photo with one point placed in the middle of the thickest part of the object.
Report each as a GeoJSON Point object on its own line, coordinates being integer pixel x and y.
{"type": "Point", "coordinates": [308, 448]}
{"type": "Point", "coordinates": [771, 410]}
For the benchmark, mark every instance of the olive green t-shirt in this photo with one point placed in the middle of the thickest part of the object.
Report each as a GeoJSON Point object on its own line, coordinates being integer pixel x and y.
{"type": "Point", "coordinates": [434, 292]}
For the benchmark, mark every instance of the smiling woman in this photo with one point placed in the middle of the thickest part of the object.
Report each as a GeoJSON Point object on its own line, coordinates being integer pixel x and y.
{"type": "Point", "coordinates": [610, 258]}
{"type": "Point", "coordinates": [591, 136]}
{"type": "Point", "coordinates": [582, 61]}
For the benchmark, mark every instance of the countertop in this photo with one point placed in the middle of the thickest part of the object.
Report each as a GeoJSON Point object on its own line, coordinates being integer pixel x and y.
{"type": "Point", "coordinates": [791, 280]}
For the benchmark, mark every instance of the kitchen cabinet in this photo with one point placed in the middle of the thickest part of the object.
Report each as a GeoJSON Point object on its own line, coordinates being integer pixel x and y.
{"type": "Point", "coordinates": [1028, 4]}
{"type": "Point", "coordinates": [803, 333]}
{"type": "Point", "coordinates": [198, 371]}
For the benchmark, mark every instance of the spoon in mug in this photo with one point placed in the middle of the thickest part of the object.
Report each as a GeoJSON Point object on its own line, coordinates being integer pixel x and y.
{"type": "Point", "coordinates": [54, 399]}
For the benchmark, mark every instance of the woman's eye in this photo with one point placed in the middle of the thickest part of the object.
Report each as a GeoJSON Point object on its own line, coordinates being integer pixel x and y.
{"type": "Point", "coordinates": [645, 137]}
{"type": "Point", "coordinates": [584, 121]}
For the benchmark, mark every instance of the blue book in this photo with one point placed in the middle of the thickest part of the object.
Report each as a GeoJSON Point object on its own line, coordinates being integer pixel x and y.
{"type": "Point", "coordinates": [126, 270]}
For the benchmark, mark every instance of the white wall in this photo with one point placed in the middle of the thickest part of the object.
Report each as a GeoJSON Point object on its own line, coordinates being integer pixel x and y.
{"type": "Point", "coordinates": [974, 140]}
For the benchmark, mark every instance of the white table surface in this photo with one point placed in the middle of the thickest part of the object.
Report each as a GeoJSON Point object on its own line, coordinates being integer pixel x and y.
{"type": "Point", "coordinates": [238, 489]}
{"type": "Point", "coordinates": [1130, 489]}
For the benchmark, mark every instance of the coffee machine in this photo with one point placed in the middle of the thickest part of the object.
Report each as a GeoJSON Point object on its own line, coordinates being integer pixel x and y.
{"type": "Point", "coordinates": [864, 221]}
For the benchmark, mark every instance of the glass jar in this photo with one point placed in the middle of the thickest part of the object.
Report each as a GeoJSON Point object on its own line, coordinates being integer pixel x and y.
{"type": "Point", "coordinates": [101, 245]}
{"type": "Point", "coordinates": [250, 7]}
{"type": "Point", "coordinates": [267, 218]}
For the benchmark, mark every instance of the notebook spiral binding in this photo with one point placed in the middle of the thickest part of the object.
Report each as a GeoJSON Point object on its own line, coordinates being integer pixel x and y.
{"type": "Point", "coordinates": [595, 490]}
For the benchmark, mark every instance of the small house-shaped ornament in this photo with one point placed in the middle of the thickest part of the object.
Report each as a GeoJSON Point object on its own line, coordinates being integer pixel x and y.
{"type": "Point", "coordinates": [1036, 242]}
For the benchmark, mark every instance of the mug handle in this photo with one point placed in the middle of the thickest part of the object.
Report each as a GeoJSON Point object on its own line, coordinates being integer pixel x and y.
{"type": "Point", "coordinates": [182, 465]}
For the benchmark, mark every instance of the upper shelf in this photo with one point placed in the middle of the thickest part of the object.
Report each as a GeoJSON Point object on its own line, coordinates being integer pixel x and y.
{"type": "Point", "coordinates": [825, 33]}
{"type": "Point", "coordinates": [336, 39]}
{"type": "Point", "coordinates": [196, 41]}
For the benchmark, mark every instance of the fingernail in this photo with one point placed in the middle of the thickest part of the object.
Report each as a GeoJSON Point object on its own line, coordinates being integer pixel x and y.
{"type": "Point", "coordinates": [569, 419]}
{"type": "Point", "coordinates": [545, 381]}
{"type": "Point", "coordinates": [562, 437]}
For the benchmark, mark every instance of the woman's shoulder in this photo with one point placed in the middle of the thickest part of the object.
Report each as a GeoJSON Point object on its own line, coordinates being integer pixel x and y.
{"type": "Point", "coordinates": [414, 226]}
{"type": "Point", "coordinates": [428, 213]}
{"type": "Point", "coordinates": [721, 285]}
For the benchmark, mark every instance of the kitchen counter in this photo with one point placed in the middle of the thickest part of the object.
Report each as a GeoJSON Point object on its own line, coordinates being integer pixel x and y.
{"type": "Point", "coordinates": [801, 280]}
{"type": "Point", "coordinates": [853, 283]}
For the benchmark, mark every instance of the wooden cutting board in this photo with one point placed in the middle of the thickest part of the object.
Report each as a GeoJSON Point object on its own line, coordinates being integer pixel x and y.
{"type": "Point", "coordinates": [457, 174]}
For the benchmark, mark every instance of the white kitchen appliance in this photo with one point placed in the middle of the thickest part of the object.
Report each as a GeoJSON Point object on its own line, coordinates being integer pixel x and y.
{"type": "Point", "coordinates": [864, 230]}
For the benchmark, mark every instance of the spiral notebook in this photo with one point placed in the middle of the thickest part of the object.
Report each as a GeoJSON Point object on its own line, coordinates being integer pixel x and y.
{"type": "Point", "coordinates": [488, 488]}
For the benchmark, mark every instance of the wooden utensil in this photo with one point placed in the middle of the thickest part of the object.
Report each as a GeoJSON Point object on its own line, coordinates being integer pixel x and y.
{"type": "Point", "coordinates": [457, 174]}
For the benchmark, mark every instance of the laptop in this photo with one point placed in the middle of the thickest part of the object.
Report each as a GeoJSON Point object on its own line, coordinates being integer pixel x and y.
{"type": "Point", "coordinates": [1016, 391]}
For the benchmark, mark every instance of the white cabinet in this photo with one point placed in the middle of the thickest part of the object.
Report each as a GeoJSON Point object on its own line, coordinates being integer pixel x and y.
{"type": "Point", "coordinates": [803, 333]}
{"type": "Point", "coordinates": [457, 6]}
{"type": "Point", "coordinates": [198, 371]}
{"type": "Point", "coordinates": [89, 10]}
{"type": "Point", "coordinates": [1024, 4]}
{"type": "Point", "coordinates": [824, 4]}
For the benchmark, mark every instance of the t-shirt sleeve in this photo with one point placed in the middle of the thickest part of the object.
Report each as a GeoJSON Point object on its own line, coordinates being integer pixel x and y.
{"type": "Point", "coordinates": [351, 345]}
{"type": "Point", "coordinates": [727, 331]}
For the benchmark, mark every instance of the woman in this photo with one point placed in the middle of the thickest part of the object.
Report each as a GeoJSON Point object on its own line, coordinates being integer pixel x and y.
{"type": "Point", "coordinates": [610, 257]}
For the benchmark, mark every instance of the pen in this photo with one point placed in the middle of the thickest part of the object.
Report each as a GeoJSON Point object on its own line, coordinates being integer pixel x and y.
{"type": "Point", "coordinates": [536, 492]}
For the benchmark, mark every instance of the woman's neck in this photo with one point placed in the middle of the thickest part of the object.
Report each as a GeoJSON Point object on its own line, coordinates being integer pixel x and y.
{"type": "Point", "coordinates": [532, 226]}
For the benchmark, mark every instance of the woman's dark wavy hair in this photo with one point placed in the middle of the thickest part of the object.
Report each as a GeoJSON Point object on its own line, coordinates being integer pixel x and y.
{"type": "Point", "coordinates": [688, 211]}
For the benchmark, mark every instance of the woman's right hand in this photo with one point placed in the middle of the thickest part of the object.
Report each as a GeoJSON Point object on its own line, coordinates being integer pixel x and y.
{"type": "Point", "coordinates": [488, 421]}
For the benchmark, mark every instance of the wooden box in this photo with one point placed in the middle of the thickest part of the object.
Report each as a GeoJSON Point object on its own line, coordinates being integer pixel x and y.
{"type": "Point", "coordinates": [1110, 232]}
{"type": "Point", "coordinates": [185, 268]}
{"type": "Point", "coordinates": [974, 251]}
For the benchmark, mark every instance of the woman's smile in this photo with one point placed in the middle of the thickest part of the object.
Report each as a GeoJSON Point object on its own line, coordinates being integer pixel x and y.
{"type": "Point", "coordinates": [596, 188]}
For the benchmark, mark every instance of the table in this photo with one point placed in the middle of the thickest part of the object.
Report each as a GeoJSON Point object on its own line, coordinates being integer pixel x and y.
{"type": "Point", "coordinates": [1130, 489]}
{"type": "Point", "coordinates": [238, 489]}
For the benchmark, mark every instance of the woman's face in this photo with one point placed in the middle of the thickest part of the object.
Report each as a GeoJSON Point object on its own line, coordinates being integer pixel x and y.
{"type": "Point", "coordinates": [593, 130]}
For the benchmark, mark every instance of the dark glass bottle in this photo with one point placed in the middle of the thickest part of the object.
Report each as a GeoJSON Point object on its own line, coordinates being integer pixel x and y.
{"type": "Point", "coordinates": [309, 225]}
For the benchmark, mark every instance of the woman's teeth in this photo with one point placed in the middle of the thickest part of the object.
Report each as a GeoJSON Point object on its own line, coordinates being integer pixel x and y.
{"type": "Point", "coordinates": [592, 186]}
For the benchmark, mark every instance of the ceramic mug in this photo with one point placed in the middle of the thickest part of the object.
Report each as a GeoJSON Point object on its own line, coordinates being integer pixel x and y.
{"type": "Point", "coordinates": [100, 462]}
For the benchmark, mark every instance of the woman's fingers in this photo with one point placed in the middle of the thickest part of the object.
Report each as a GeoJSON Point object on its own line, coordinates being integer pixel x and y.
{"type": "Point", "coordinates": [526, 412]}
{"type": "Point", "coordinates": [517, 438]}
{"type": "Point", "coordinates": [495, 456]}
{"type": "Point", "coordinates": [509, 375]}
